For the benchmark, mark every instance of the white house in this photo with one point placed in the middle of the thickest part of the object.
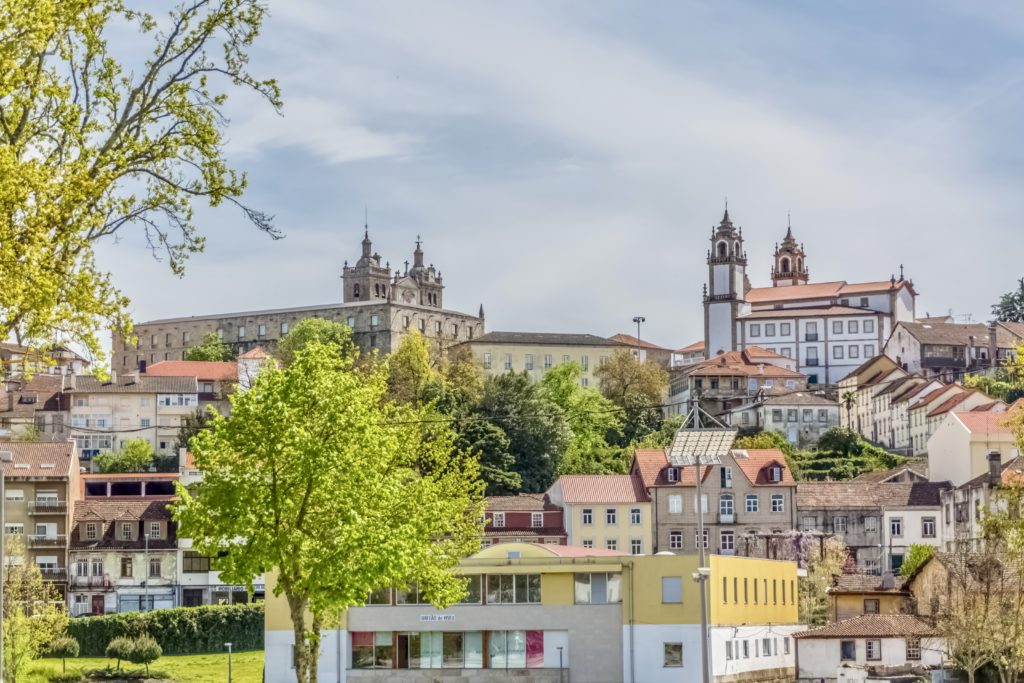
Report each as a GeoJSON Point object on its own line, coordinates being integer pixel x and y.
{"type": "Point", "coordinates": [958, 451]}
{"type": "Point", "coordinates": [868, 646]}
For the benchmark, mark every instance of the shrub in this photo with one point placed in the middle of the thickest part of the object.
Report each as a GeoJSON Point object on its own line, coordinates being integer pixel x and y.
{"type": "Point", "coordinates": [119, 648]}
{"type": "Point", "coordinates": [144, 650]}
{"type": "Point", "coordinates": [179, 631]}
{"type": "Point", "coordinates": [67, 677]}
{"type": "Point", "coordinates": [64, 647]}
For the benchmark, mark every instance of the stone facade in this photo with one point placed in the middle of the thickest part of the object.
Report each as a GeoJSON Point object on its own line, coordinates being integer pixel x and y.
{"type": "Point", "coordinates": [380, 306]}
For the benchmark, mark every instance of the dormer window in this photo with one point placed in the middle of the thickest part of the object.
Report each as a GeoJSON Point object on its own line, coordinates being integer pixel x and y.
{"type": "Point", "coordinates": [673, 474]}
{"type": "Point", "coordinates": [774, 473]}
{"type": "Point", "coordinates": [126, 531]}
{"type": "Point", "coordinates": [90, 531]}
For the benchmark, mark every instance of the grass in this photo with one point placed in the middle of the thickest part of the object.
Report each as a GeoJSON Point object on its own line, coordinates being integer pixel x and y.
{"type": "Point", "coordinates": [245, 666]}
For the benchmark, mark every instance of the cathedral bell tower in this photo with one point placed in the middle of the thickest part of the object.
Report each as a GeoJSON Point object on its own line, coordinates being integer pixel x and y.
{"type": "Point", "coordinates": [726, 288]}
{"type": "Point", "coordinates": [790, 267]}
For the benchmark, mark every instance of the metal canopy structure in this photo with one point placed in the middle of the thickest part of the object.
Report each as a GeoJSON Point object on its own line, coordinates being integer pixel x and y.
{"type": "Point", "coordinates": [707, 445]}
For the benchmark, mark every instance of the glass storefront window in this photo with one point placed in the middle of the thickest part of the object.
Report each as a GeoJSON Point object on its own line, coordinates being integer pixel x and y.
{"type": "Point", "coordinates": [451, 647]}
{"type": "Point", "coordinates": [473, 590]}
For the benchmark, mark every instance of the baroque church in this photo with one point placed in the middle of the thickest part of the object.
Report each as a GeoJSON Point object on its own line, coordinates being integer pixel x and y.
{"type": "Point", "coordinates": [829, 328]}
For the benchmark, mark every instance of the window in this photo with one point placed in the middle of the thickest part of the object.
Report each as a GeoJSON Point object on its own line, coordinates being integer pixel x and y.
{"type": "Point", "coordinates": [811, 332]}
{"type": "Point", "coordinates": [854, 351]}
{"type": "Point", "coordinates": [585, 363]}
{"type": "Point", "coordinates": [90, 531]}
{"type": "Point", "coordinates": [529, 361]}
{"type": "Point", "coordinates": [839, 525]}
{"type": "Point", "coordinates": [822, 415]}
{"type": "Point", "coordinates": [755, 330]}
{"type": "Point", "coordinates": [778, 503]}
{"type": "Point", "coordinates": [725, 504]}
{"type": "Point", "coordinates": [871, 524]}
{"type": "Point", "coordinates": [634, 516]}
{"type": "Point", "coordinates": [775, 473]}
{"type": "Point", "coordinates": [376, 651]}
{"type": "Point", "coordinates": [785, 645]}
{"type": "Point", "coordinates": [537, 519]}
{"type": "Point", "coordinates": [261, 331]}
{"type": "Point", "coordinates": [869, 350]}
{"type": "Point", "coordinates": [14, 528]}
{"type": "Point", "coordinates": [874, 649]}
{"type": "Point", "coordinates": [14, 494]}
{"type": "Point", "coordinates": [752, 502]}
{"type": "Point", "coordinates": [847, 650]}
{"type": "Point", "coordinates": [728, 650]}
{"type": "Point", "coordinates": [777, 415]}
{"type": "Point", "coordinates": [869, 326]}
{"type": "Point", "coordinates": [808, 523]}
{"type": "Point", "coordinates": [509, 589]}
{"type": "Point", "coordinates": [126, 531]}
{"type": "Point", "coordinates": [126, 567]}
{"type": "Point", "coordinates": [154, 530]}
{"type": "Point", "coordinates": [837, 327]}
{"type": "Point", "coordinates": [727, 539]}
{"type": "Point", "coordinates": [675, 540]}
{"type": "Point", "coordinates": [853, 327]}
{"type": "Point", "coordinates": [611, 543]}
{"type": "Point", "coordinates": [97, 567]}
{"type": "Point", "coordinates": [610, 516]}
{"type": "Point", "coordinates": [375, 321]}
{"type": "Point", "coordinates": [636, 546]}
{"type": "Point", "coordinates": [913, 649]}
{"type": "Point", "coordinates": [928, 527]}
{"type": "Point", "coordinates": [785, 330]}
{"type": "Point", "coordinates": [726, 477]}
{"type": "Point", "coordinates": [837, 352]}
{"type": "Point", "coordinates": [746, 649]}
{"type": "Point", "coordinates": [675, 504]}
{"type": "Point", "coordinates": [895, 562]}
{"type": "Point", "coordinates": [154, 567]}
{"type": "Point", "coordinates": [487, 361]}
{"type": "Point", "coordinates": [499, 520]}
{"type": "Point", "coordinates": [284, 328]}
{"type": "Point", "coordinates": [707, 537]}
{"type": "Point", "coordinates": [597, 588]}
{"type": "Point", "coordinates": [896, 526]}
{"type": "Point", "coordinates": [194, 563]}
{"type": "Point", "coordinates": [547, 361]}
{"type": "Point", "coordinates": [673, 654]}
{"type": "Point", "coordinates": [588, 516]}
{"type": "Point", "coordinates": [241, 331]}
{"type": "Point", "coordinates": [672, 474]}
{"type": "Point", "coordinates": [508, 361]}
{"type": "Point", "coordinates": [871, 606]}
{"type": "Point", "coordinates": [812, 359]}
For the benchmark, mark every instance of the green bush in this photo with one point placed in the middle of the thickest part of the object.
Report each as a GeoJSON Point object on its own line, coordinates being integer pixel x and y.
{"type": "Point", "coordinates": [119, 648]}
{"type": "Point", "coordinates": [64, 647]}
{"type": "Point", "coordinates": [144, 650]}
{"type": "Point", "coordinates": [67, 677]}
{"type": "Point", "coordinates": [178, 631]}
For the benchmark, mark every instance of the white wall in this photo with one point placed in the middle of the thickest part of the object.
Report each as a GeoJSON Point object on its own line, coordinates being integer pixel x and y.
{"type": "Point", "coordinates": [278, 662]}
{"type": "Point", "coordinates": [648, 643]}
{"type": "Point", "coordinates": [949, 452]}
{"type": "Point", "coordinates": [758, 660]}
{"type": "Point", "coordinates": [819, 657]}
{"type": "Point", "coordinates": [719, 327]}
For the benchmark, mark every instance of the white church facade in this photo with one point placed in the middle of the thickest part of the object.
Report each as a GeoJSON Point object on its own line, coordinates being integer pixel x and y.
{"type": "Point", "coordinates": [828, 328]}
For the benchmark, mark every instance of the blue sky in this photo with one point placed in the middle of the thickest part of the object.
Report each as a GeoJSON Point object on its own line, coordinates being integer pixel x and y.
{"type": "Point", "coordinates": [565, 161]}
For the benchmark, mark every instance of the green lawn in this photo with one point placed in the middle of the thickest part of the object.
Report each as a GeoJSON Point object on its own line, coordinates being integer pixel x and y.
{"type": "Point", "coordinates": [245, 667]}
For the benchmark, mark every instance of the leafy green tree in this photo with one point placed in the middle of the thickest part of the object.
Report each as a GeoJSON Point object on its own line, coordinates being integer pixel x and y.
{"type": "Point", "coordinates": [211, 348]}
{"type": "Point", "coordinates": [144, 650]}
{"type": "Point", "coordinates": [841, 441]}
{"type": "Point", "coordinates": [1010, 307]}
{"type": "Point", "coordinates": [192, 425]}
{"type": "Point", "coordinates": [812, 592]}
{"type": "Point", "coordinates": [136, 455]}
{"type": "Point", "coordinates": [916, 555]}
{"type": "Point", "coordinates": [92, 146]}
{"type": "Point", "coordinates": [33, 613]}
{"type": "Point", "coordinates": [410, 371]}
{"type": "Point", "coordinates": [310, 330]}
{"type": "Point", "coordinates": [120, 648]}
{"type": "Point", "coordinates": [593, 421]}
{"type": "Point", "coordinates": [319, 479]}
{"type": "Point", "coordinates": [491, 447]}
{"type": "Point", "coordinates": [766, 440]}
{"type": "Point", "coordinates": [537, 429]}
{"type": "Point", "coordinates": [623, 375]}
{"type": "Point", "coordinates": [64, 646]}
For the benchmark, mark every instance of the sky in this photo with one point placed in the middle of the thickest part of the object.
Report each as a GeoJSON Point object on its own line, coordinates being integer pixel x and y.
{"type": "Point", "coordinates": [564, 162]}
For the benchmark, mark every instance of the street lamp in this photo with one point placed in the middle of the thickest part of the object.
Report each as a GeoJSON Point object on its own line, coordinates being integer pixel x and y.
{"type": "Point", "coordinates": [638, 319]}
{"type": "Point", "coordinates": [228, 646]}
{"type": "Point", "coordinates": [145, 575]}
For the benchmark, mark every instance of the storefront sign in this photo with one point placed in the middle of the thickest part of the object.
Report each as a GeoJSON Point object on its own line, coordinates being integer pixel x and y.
{"type": "Point", "coordinates": [437, 617]}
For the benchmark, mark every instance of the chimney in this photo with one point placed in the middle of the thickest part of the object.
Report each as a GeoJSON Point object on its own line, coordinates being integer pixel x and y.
{"type": "Point", "coordinates": [888, 581]}
{"type": "Point", "coordinates": [995, 468]}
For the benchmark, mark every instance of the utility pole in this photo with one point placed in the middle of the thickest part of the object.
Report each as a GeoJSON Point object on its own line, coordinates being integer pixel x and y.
{"type": "Point", "coordinates": [702, 569]}
{"type": "Point", "coordinates": [638, 319]}
{"type": "Point", "coordinates": [3, 565]}
{"type": "Point", "coordinates": [145, 574]}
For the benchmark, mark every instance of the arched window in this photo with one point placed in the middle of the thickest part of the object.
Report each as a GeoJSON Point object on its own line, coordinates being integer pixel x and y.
{"type": "Point", "coordinates": [736, 249]}
{"type": "Point", "coordinates": [723, 250]}
{"type": "Point", "coordinates": [376, 290]}
{"type": "Point", "coordinates": [355, 290]}
{"type": "Point", "coordinates": [784, 264]}
{"type": "Point", "coordinates": [799, 265]}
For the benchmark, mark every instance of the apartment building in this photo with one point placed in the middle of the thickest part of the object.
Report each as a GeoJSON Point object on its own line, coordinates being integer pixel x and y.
{"type": "Point", "coordinates": [41, 484]}
{"type": "Point", "coordinates": [105, 414]}
{"type": "Point", "coordinates": [801, 416]}
{"type": "Point", "coordinates": [215, 381]}
{"type": "Point", "coordinates": [964, 506]}
{"type": "Point", "coordinates": [734, 378]}
{"type": "Point", "coordinates": [562, 613]}
{"type": "Point", "coordinates": [747, 501]}
{"type": "Point", "coordinates": [951, 350]}
{"type": "Point", "coordinates": [610, 511]}
{"type": "Point", "coordinates": [877, 521]}
{"type": "Point", "coordinates": [537, 352]}
{"type": "Point", "coordinates": [856, 404]}
{"type": "Point", "coordinates": [35, 405]}
{"type": "Point", "coordinates": [526, 518]}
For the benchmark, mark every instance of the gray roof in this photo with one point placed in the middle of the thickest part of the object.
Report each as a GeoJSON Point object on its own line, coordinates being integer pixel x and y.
{"type": "Point", "coordinates": [87, 384]}
{"type": "Point", "coordinates": [545, 339]}
{"type": "Point", "coordinates": [301, 310]}
{"type": "Point", "coordinates": [861, 494]}
{"type": "Point", "coordinates": [954, 334]}
{"type": "Point", "coordinates": [800, 398]}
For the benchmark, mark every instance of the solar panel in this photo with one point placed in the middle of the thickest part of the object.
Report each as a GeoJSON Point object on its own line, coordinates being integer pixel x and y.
{"type": "Point", "coordinates": [710, 444]}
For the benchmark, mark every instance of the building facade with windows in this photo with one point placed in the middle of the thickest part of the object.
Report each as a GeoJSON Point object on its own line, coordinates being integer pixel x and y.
{"type": "Point", "coordinates": [960, 448]}
{"type": "Point", "coordinates": [534, 353]}
{"type": "Point", "coordinates": [949, 351]}
{"type": "Point", "coordinates": [41, 483]}
{"type": "Point", "coordinates": [748, 500]}
{"type": "Point", "coordinates": [561, 613]}
{"type": "Point", "coordinates": [379, 304]}
{"type": "Point", "coordinates": [609, 511]}
{"type": "Point", "coordinates": [801, 416]}
{"type": "Point", "coordinates": [526, 518]}
{"type": "Point", "coordinates": [35, 407]}
{"type": "Point", "coordinates": [853, 595]}
{"type": "Point", "coordinates": [829, 328]}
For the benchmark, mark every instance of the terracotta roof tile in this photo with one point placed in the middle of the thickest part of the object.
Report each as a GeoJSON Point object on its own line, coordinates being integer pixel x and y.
{"type": "Point", "coordinates": [651, 465]}
{"type": "Point", "coordinates": [872, 625]}
{"type": "Point", "coordinates": [865, 583]}
{"type": "Point", "coordinates": [806, 311]}
{"type": "Point", "coordinates": [255, 352]}
{"type": "Point", "coordinates": [576, 551]}
{"type": "Point", "coordinates": [819, 290]}
{"type": "Point", "coordinates": [984, 423]}
{"type": "Point", "coordinates": [692, 348]}
{"type": "Point", "coordinates": [630, 340]}
{"type": "Point", "coordinates": [862, 494]}
{"type": "Point", "coordinates": [60, 454]}
{"type": "Point", "coordinates": [532, 532]}
{"type": "Point", "coordinates": [208, 370]}
{"type": "Point", "coordinates": [955, 334]}
{"type": "Point", "coordinates": [950, 403]}
{"type": "Point", "coordinates": [602, 488]}
{"type": "Point", "coordinates": [754, 466]}
{"type": "Point", "coordinates": [933, 396]}
{"type": "Point", "coordinates": [525, 502]}
{"type": "Point", "coordinates": [109, 511]}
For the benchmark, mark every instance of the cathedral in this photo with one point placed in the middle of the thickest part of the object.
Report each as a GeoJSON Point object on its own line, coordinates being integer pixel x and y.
{"type": "Point", "coordinates": [367, 280]}
{"type": "Point", "coordinates": [829, 328]}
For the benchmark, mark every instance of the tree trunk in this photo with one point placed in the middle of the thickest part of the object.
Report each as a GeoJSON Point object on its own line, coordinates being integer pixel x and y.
{"type": "Point", "coordinates": [314, 650]}
{"type": "Point", "coordinates": [300, 656]}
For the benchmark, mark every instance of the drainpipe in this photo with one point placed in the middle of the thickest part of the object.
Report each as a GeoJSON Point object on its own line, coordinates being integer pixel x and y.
{"type": "Point", "coordinates": [632, 653]}
{"type": "Point", "coordinates": [338, 646]}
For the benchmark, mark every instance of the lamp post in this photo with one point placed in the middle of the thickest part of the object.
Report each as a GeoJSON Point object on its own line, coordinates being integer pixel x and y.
{"type": "Point", "coordinates": [228, 646]}
{"type": "Point", "coordinates": [145, 583]}
{"type": "Point", "coordinates": [638, 319]}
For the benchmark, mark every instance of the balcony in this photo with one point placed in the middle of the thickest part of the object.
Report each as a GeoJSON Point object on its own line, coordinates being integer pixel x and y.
{"type": "Point", "coordinates": [727, 551]}
{"type": "Point", "coordinates": [811, 336]}
{"type": "Point", "coordinates": [47, 507]}
{"type": "Point", "coordinates": [54, 574]}
{"type": "Point", "coordinates": [47, 541]}
{"type": "Point", "coordinates": [90, 581]}
{"type": "Point", "coordinates": [726, 517]}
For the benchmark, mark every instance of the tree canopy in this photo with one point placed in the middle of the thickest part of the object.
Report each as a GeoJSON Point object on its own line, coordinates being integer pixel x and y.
{"type": "Point", "coordinates": [1010, 307]}
{"type": "Point", "coordinates": [623, 375]}
{"type": "Point", "coordinates": [317, 474]}
{"type": "Point", "coordinates": [135, 455]}
{"type": "Point", "coordinates": [310, 330]}
{"type": "Point", "coordinates": [92, 146]}
{"type": "Point", "coordinates": [211, 348]}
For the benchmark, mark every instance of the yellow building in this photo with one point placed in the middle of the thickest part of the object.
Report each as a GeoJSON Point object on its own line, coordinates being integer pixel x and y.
{"type": "Point", "coordinates": [537, 352]}
{"type": "Point", "coordinates": [609, 511]}
{"type": "Point", "coordinates": [551, 612]}
{"type": "Point", "coordinates": [854, 595]}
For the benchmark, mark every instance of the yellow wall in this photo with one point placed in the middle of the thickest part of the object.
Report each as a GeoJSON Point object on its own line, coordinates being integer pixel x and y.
{"type": "Point", "coordinates": [594, 357]}
{"type": "Point", "coordinates": [557, 589]}
{"type": "Point", "coordinates": [847, 606]}
{"type": "Point", "coordinates": [622, 531]}
{"type": "Point", "coordinates": [739, 608]}
{"type": "Point", "coordinates": [645, 584]}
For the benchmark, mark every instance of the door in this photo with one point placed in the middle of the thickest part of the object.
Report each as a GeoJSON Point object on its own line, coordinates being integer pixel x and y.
{"type": "Point", "coordinates": [97, 604]}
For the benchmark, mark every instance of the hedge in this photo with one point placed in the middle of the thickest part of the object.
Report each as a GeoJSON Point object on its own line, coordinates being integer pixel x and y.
{"type": "Point", "coordinates": [179, 631]}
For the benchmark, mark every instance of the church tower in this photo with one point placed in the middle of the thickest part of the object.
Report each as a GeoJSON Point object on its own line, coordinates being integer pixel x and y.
{"type": "Point", "coordinates": [726, 288]}
{"type": "Point", "coordinates": [367, 280]}
{"type": "Point", "coordinates": [431, 286]}
{"type": "Point", "coordinates": [790, 266]}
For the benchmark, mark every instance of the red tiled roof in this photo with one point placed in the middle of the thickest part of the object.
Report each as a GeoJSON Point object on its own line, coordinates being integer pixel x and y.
{"type": "Point", "coordinates": [932, 396]}
{"type": "Point", "coordinates": [741, 363]}
{"type": "Point", "coordinates": [950, 403]}
{"type": "Point", "coordinates": [984, 423]}
{"type": "Point", "coordinates": [576, 551]}
{"type": "Point", "coordinates": [872, 625]}
{"type": "Point", "coordinates": [602, 488]}
{"type": "Point", "coordinates": [753, 466]}
{"type": "Point", "coordinates": [805, 311]}
{"type": "Point", "coordinates": [651, 464]}
{"type": "Point", "coordinates": [524, 502]}
{"type": "Point", "coordinates": [821, 290]}
{"type": "Point", "coordinates": [695, 346]}
{"type": "Point", "coordinates": [209, 370]}
{"type": "Point", "coordinates": [60, 454]}
{"type": "Point", "coordinates": [990, 407]}
{"type": "Point", "coordinates": [634, 342]}
{"type": "Point", "coordinates": [255, 352]}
